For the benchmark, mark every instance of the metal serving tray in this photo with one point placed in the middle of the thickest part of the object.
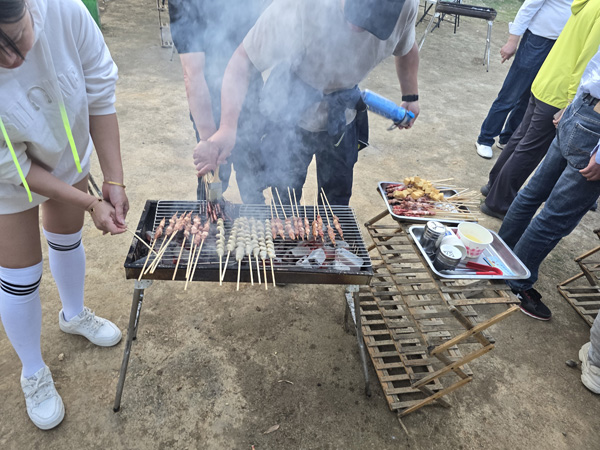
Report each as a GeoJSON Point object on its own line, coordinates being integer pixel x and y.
{"type": "Point", "coordinates": [498, 254]}
{"type": "Point", "coordinates": [448, 192]}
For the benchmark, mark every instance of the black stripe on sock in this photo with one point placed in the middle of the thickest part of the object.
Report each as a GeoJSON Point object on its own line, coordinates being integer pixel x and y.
{"type": "Point", "coordinates": [64, 248]}
{"type": "Point", "coordinates": [19, 289]}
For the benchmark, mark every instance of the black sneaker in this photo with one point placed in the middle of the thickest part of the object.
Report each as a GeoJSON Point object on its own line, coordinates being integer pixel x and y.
{"type": "Point", "coordinates": [490, 212]}
{"type": "Point", "coordinates": [531, 304]}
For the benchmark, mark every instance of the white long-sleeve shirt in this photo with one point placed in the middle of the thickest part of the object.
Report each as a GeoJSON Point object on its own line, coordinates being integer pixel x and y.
{"type": "Point", "coordinates": [68, 62]}
{"type": "Point", "coordinates": [590, 84]}
{"type": "Point", "coordinates": [544, 18]}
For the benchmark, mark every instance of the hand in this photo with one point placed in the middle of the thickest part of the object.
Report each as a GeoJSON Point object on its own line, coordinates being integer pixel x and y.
{"type": "Point", "coordinates": [509, 49]}
{"type": "Point", "coordinates": [205, 157]}
{"type": "Point", "coordinates": [557, 117]}
{"type": "Point", "coordinates": [592, 171]}
{"type": "Point", "coordinates": [224, 139]}
{"type": "Point", "coordinates": [104, 216]}
{"type": "Point", "coordinates": [413, 107]}
{"type": "Point", "coordinates": [116, 196]}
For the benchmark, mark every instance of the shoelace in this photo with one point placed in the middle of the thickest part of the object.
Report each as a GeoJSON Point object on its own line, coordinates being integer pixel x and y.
{"type": "Point", "coordinates": [91, 322]}
{"type": "Point", "coordinates": [41, 390]}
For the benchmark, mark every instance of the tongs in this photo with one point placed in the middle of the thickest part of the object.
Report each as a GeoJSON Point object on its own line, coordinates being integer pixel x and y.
{"type": "Point", "coordinates": [474, 268]}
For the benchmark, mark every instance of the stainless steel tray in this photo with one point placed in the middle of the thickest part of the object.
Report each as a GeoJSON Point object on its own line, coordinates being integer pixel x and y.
{"type": "Point", "coordinates": [448, 192]}
{"type": "Point", "coordinates": [498, 254]}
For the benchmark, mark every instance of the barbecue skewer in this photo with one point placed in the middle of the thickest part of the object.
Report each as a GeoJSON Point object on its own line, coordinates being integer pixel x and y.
{"type": "Point", "coordinates": [220, 244]}
{"type": "Point", "coordinates": [306, 222]}
{"type": "Point", "coordinates": [167, 233]}
{"type": "Point", "coordinates": [186, 234]}
{"type": "Point", "coordinates": [319, 219]}
{"type": "Point", "coordinates": [193, 240]}
{"type": "Point", "coordinates": [202, 235]}
{"type": "Point", "coordinates": [157, 234]}
{"type": "Point", "coordinates": [139, 238]}
{"type": "Point", "coordinates": [278, 224]}
{"type": "Point", "coordinates": [288, 222]}
{"type": "Point", "coordinates": [334, 218]}
{"type": "Point", "coordinates": [176, 227]}
{"type": "Point", "coordinates": [330, 231]}
{"type": "Point", "coordinates": [230, 247]}
{"type": "Point", "coordinates": [299, 222]}
{"type": "Point", "coordinates": [270, 251]}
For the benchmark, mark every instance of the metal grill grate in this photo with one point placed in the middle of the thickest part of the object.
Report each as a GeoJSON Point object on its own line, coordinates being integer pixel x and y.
{"type": "Point", "coordinates": [334, 270]}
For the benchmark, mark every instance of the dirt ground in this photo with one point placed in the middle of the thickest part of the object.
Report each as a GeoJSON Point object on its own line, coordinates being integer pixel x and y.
{"type": "Point", "coordinates": [207, 368]}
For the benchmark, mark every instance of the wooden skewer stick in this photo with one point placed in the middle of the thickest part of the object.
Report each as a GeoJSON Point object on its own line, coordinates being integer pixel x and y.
{"type": "Point", "coordinates": [139, 238]}
{"type": "Point", "coordinates": [307, 231]}
{"type": "Point", "coordinates": [442, 180]}
{"type": "Point", "coordinates": [161, 254]}
{"type": "Point", "coordinates": [327, 201]}
{"type": "Point", "coordinates": [250, 268]}
{"type": "Point", "coordinates": [283, 210]}
{"type": "Point", "coordinates": [196, 260]}
{"type": "Point", "coordinates": [225, 266]}
{"type": "Point", "coordinates": [272, 272]}
{"type": "Point", "coordinates": [326, 213]}
{"type": "Point", "coordinates": [258, 269]}
{"type": "Point", "coordinates": [265, 274]}
{"type": "Point", "coordinates": [190, 259]}
{"type": "Point", "coordinates": [147, 259]}
{"type": "Point", "coordinates": [238, 279]}
{"type": "Point", "coordinates": [178, 259]}
{"type": "Point", "coordinates": [220, 270]}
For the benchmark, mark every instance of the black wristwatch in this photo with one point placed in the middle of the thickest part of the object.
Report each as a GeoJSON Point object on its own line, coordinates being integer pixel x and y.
{"type": "Point", "coordinates": [410, 98]}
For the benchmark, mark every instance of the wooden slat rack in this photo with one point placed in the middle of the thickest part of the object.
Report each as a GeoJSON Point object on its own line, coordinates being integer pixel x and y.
{"type": "Point", "coordinates": [582, 291]}
{"type": "Point", "coordinates": [421, 331]}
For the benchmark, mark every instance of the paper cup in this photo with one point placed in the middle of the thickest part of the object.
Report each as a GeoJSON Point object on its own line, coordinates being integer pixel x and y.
{"type": "Point", "coordinates": [453, 240]}
{"type": "Point", "coordinates": [475, 238]}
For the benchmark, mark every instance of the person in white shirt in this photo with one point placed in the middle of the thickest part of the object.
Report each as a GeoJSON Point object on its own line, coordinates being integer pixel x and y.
{"type": "Point", "coordinates": [57, 94]}
{"type": "Point", "coordinates": [537, 25]}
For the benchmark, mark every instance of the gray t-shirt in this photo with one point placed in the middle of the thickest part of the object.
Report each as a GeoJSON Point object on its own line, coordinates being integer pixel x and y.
{"type": "Point", "coordinates": [326, 53]}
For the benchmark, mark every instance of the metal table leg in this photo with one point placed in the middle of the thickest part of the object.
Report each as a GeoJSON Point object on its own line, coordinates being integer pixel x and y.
{"type": "Point", "coordinates": [134, 320]}
{"type": "Point", "coordinates": [359, 337]}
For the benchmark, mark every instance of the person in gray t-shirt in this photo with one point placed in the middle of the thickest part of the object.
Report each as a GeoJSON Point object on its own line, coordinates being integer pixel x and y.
{"type": "Point", "coordinates": [317, 51]}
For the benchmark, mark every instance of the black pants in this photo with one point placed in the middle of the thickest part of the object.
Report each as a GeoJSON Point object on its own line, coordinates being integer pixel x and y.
{"type": "Point", "coordinates": [524, 151]}
{"type": "Point", "coordinates": [291, 153]}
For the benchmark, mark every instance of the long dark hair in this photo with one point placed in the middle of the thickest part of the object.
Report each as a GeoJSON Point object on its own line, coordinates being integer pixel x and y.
{"type": "Point", "coordinates": [11, 11]}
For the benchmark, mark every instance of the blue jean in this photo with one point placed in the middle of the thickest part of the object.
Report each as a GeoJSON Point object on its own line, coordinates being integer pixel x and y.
{"type": "Point", "coordinates": [514, 94]}
{"type": "Point", "coordinates": [568, 195]}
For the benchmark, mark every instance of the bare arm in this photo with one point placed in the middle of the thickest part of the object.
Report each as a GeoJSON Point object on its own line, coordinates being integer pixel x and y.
{"type": "Point", "coordinates": [407, 69]}
{"type": "Point", "coordinates": [197, 93]}
{"type": "Point", "coordinates": [509, 49]}
{"type": "Point", "coordinates": [233, 93]}
{"type": "Point", "coordinates": [105, 134]}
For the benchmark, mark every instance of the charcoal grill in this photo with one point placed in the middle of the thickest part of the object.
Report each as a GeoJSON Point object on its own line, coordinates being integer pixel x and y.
{"type": "Point", "coordinates": [285, 265]}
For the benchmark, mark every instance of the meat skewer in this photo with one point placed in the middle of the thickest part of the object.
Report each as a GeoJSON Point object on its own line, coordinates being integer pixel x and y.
{"type": "Point", "coordinates": [306, 222]}
{"type": "Point", "coordinates": [278, 224]}
{"type": "Point", "coordinates": [220, 246]}
{"type": "Point", "coordinates": [288, 223]}
{"type": "Point", "coordinates": [202, 236]}
{"type": "Point", "coordinates": [196, 226]}
{"type": "Point", "coordinates": [315, 224]}
{"type": "Point", "coordinates": [166, 232]}
{"type": "Point", "coordinates": [330, 231]}
{"type": "Point", "coordinates": [262, 247]}
{"type": "Point", "coordinates": [177, 227]}
{"type": "Point", "coordinates": [157, 234]}
{"type": "Point", "coordinates": [255, 246]}
{"type": "Point", "coordinates": [299, 223]}
{"type": "Point", "coordinates": [334, 218]}
{"type": "Point", "coordinates": [270, 248]}
{"type": "Point", "coordinates": [186, 233]}
{"type": "Point", "coordinates": [319, 220]}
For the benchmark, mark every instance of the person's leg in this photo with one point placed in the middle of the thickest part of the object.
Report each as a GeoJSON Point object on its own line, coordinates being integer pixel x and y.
{"type": "Point", "coordinates": [21, 313]}
{"type": "Point", "coordinates": [529, 58]}
{"type": "Point", "coordinates": [514, 119]}
{"type": "Point", "coordinates": [570, 198]}
{"type": "Point", "coordinates": [335, 165]}
{"type": "Point", "coordinates": [524, 159]}
{"type": "Point", "coordinates": [62, 227]}
{"type": "Point", "coordinates": [509, 148]}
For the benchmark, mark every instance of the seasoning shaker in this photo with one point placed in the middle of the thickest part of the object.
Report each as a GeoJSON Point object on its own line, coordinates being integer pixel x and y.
{"type": "Point", "coordinates": [433, 233]}
{"type": "Point", "coordinates": [447, 257]}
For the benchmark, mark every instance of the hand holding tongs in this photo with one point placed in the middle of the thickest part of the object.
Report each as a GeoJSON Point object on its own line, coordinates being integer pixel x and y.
{"type": "Point", "coordinates": [477, 269]}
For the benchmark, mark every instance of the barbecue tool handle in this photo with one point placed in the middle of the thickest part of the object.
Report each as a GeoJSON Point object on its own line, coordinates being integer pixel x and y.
{"type": "Point", "coordinates": [387, 108]}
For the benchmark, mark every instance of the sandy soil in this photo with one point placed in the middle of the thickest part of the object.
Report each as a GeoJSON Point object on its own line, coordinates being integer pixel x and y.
{"type": "Point", "coordinates": [206, 369]}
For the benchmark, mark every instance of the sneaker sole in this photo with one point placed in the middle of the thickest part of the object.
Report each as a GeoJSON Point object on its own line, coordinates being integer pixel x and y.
{"type": "Point", "coordinates": [54, 423]}
{"type": "Point", "coordinates": [535, 317]}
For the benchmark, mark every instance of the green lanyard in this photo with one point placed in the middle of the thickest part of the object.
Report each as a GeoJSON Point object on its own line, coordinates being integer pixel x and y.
{"type": "Point", "coordinates": [67, 125]}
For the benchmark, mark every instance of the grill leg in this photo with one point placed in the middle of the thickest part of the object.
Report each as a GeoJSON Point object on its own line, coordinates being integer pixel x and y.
{"type": "Point", "coordinates": [486, 55]}
{"type": "Point", "coordinates": [436, 15]}
{"type": "Point", "coordinates": [361, 343]}
{"type": "Point", "coordinates": [134, 320]}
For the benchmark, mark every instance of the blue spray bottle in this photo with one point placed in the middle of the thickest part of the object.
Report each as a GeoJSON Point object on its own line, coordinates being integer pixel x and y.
{"type": "Point", "coordinates": [387, 108]}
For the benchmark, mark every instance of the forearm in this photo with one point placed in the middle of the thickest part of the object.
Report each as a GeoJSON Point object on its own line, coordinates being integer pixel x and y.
{"type": "Point", "coordinates": [198, 94]}
{"type": "Point", "coordinates": [235, 88]}
{"type": "Point", "coordinates": [44, 183]}
{"type": "Point", "coordinates": [105, 134]}
{"type": "Point", "coordinates": [407, 68]}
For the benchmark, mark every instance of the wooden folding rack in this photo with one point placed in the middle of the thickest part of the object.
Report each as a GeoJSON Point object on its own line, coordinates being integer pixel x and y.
{"type": "Point", "coordinates": [582, 291]}
{"type": "Point", "coordinates": [421, 331]}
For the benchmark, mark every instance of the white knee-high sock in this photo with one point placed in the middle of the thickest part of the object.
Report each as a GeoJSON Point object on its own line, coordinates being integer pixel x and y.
{"type": "Point", "coordinates": [21, 313]}
{"type": "Point", "coordinates": [67, 264]}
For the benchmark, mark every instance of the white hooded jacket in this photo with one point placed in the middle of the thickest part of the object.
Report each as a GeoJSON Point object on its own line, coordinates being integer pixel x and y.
{"type": "Point", "coordinates": [69, 62]}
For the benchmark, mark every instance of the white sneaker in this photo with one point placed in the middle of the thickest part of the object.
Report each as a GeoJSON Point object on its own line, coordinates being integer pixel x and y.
{"type": "Point", "coordinates": [500, 146]}
{"type": "Point", "coordinates": [485, 151]}
{"type": "Point", "coordinates": [97, 330]}
{"type": "Point", "coordinates": [44, 406]}
{"type": "Point", "coordinates": [590, 374]}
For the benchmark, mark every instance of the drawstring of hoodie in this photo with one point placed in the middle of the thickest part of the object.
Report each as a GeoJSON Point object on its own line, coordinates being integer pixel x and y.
{"type": "Point", "coordinates": [15, 160]}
